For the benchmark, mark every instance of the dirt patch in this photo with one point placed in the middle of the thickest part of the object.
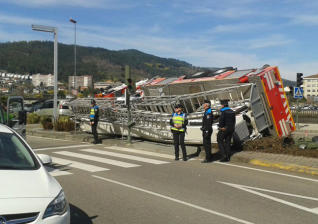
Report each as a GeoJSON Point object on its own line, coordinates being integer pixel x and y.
{"type": "Point", "coordinates": [279, 146]}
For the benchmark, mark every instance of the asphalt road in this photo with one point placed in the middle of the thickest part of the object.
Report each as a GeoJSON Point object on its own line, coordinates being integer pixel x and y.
{"type": "Point", "coordinates": [142, 184]}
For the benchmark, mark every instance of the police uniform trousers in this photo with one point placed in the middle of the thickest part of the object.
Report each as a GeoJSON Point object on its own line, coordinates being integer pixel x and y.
{"type": "Point", "coordinates": [178, 139]}
{"type": "Point", "coordinates": [207, 144]}
{"type": "Point", "coordinates": [224, 142]}
{"type": "Point", "coordinates": [94, 131]}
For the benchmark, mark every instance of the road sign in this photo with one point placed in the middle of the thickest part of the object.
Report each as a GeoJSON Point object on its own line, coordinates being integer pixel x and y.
{"type": "Point", "coordinates": [298, 92]}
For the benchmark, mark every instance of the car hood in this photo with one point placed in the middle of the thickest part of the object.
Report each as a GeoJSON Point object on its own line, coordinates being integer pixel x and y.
{"type": "Point", "coordinates": [28, 184]}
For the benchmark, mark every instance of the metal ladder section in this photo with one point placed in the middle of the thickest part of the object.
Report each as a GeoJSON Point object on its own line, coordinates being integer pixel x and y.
{"type": "Point", "coordinates": [153, 113]}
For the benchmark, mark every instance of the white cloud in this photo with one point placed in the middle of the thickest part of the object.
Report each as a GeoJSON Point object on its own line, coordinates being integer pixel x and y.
{"type": "Point", "coordinates": [105, 4]}
{"type": "Point", "coordinates": [17, 20]}
{"type": "Point", "coordinates": [241, 27]}
{"type": "Point", "coordinates": [230, 12]}
{"type": "Point", "coordinates": [270, 41]}
{"type": "Point", "coordinates": [308, 20]}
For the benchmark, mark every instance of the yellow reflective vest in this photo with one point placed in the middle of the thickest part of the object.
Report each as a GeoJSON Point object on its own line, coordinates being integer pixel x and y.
{"type": "Point", "coordinates": [178, 119]}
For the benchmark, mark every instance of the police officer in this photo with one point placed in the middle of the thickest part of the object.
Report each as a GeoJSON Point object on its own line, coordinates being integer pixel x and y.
{"type": "Point", "coordinates": [94, 117]}
{"type": "Point", "coordinates": [178, 124]}
{"type": "Point", "coordinates": [226, 130]}
{"type": "Point", "coordinates": [207, 130]}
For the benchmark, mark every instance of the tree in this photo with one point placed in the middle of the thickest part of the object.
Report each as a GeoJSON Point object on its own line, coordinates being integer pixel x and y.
{"type": "Point", "coordinates": [61, 94]}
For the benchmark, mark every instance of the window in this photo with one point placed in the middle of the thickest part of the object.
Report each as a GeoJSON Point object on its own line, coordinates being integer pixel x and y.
{"type": "Point", "coordinates": [14, 154]}
{"type": "Point", "coordinates": [308, 90]}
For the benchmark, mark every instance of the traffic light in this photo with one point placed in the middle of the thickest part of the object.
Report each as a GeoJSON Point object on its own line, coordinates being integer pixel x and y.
{"type": "Point", "coordinates": [299, 79]}
{"type": "Point", "coordinates": [129, 82]}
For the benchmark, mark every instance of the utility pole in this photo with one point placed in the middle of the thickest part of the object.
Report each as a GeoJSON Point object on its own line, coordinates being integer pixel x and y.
{"type": "Point", "coordinates": [128, 81]}
{"type": "Point", "coordinates": [53, 30]}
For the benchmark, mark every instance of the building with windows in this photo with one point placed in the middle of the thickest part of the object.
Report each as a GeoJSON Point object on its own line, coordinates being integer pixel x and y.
{"type": "Point", "coordinates": [80, 82]}
{"type": "Point", "coordinates": [46, 80]}
{"type": "Point", "coordinates": [310, 86]}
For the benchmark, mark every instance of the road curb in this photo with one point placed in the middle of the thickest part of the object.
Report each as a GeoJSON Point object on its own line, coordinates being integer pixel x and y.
{"type": "Point", "coordinates": [285, 166]}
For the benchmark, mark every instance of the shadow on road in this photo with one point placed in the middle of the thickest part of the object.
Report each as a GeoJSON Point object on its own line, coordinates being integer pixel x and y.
{"type": "Point", "coordinates": [78, 216]}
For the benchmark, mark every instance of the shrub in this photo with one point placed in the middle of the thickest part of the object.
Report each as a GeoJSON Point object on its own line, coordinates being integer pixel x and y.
{"type": "Point", "coordinates": [33, 118]}
{"type": "Point", "coordinates": [64, 123]}
{"type": "Point", "coordinates": [46, 122]}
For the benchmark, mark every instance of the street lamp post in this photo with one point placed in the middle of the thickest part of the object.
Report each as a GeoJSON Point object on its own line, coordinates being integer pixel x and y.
{"type": "Point", "coordinates": [75, 22]}
{"type": "Point", "coordinates": [50, 29]}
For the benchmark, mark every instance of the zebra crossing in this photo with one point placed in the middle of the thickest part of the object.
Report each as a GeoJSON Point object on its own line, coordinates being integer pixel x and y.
{"type": "Point", "coordinates": [84, 157]}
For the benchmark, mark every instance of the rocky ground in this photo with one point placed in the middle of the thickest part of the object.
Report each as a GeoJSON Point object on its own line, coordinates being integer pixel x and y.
{"type": "Point", "coordinates": [283, 146]}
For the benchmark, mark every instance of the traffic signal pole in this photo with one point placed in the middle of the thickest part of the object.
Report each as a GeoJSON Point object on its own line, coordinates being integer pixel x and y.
{"type": "Point", "coordinates": [297, 111]}
{"type": "Point", "coordinates": [128, 77]}
{"type": "Point", "coordinates": [299, 82]}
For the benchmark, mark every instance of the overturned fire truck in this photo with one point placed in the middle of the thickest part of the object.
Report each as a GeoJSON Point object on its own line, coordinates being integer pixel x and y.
{"type": "Point", "coordinates": [256, 95]}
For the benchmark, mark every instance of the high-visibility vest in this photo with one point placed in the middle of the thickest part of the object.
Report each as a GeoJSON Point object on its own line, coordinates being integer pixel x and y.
{"type": "Point", "coordinates": [92, 112]}
{"type": "Point", "coordinates": [178, 119]}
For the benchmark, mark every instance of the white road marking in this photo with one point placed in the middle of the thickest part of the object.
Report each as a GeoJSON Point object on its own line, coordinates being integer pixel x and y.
{"type": "Point", "coordinates": [176, 200]}
{"type": "Point", "coordinates": [140, 152]}
{"type": "Point", "coordinates": [125, 156]}
{"type": "Point", "coordinates": [97, 159]}
{"type": "Point", "coordinates": [267, 171]}
{"type": "Point", "coordinates": [250, 190]}
{"type": "Point", "coordinates": [32, 136]}
{"type": "Point", "coordinates": [60, 147]}
{"type": "Point", "coordinates": [57, 139]}
{"type": "Point", "coordinates": [78, 165]}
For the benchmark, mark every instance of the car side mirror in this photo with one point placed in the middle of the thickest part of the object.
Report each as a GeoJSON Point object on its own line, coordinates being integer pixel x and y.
{"type": "Point", "coordinates": [22, 117]}
{"type": "Point", "coordinates": [45, 159]}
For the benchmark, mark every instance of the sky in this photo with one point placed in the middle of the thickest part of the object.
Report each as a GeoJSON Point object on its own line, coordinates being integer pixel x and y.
{"type": "Point", "coordinates": [208, 33]}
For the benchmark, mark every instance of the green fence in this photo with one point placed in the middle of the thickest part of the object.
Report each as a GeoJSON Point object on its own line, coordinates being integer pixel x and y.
{"type": "Point", "coordinates": [306, 116]}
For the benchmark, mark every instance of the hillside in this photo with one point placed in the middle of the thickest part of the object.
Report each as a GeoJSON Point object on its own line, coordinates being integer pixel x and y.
{"type": "Point", "coordinates": [37, 57]}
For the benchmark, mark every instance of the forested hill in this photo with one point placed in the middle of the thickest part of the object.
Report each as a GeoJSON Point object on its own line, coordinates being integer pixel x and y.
{"type": "Point", "coordinates": [37, 57]}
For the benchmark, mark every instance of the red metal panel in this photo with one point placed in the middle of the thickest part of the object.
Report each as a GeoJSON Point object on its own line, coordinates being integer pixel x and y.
{"type": "Point", "coordinates": [277, 101]}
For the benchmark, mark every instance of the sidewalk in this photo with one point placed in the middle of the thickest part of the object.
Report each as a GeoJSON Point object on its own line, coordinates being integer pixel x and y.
{"type": "Point", "coordinates": [277, 161]}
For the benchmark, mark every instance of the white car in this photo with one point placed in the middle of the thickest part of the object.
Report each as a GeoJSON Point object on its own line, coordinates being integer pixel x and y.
{"type": "Point", "coordinates": [28, 193]}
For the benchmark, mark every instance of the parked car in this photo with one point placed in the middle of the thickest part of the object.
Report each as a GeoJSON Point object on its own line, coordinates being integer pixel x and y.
{"type": "Point", "coordinates": [46, 108]}
{"type": "Point", "coordinates": [64, 109]}
{"type": "Point", "coordinates": [29, 193]}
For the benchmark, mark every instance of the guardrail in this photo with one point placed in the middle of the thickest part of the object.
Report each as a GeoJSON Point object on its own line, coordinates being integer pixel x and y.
{"type": "Point", "coordinates": [306, 116]}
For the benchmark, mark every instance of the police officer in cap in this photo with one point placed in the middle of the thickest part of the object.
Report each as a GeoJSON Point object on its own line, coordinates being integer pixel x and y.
{"type": "Point", "coordinates": [94, 117]}
{"type": "Point", "coordinates": [226, 130]}
{"type": "Point", "coordinates": [207, 130]}
{"type": "Point", "coordinates": [178, 124]}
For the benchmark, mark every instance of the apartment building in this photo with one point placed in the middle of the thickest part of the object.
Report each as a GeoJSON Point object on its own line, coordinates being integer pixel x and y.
{"type": "Point", "coordinates": [75, 82]}
{"type": "Point", "coordinates": [310, 86]}
{"type": "Point", "coordinates": [46, 80]}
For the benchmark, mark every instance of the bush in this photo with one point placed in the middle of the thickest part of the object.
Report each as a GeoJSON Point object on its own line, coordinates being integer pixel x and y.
{"type": "Point", "coordinates": [33, 118]}
{"type": "Point", "coordinates": [64, 123]}
{"type": "Point", "coordinates": [46, 122]}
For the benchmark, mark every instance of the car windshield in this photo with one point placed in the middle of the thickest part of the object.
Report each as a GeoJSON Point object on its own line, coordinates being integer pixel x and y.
{"type": "Point", "coordinates": [14, 154]}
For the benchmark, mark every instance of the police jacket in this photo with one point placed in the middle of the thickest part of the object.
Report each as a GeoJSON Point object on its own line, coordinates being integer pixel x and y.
{"type": "Point", "coordinates": [207, 120]}
{"type": "Point", "coordinates": [180, 119]}
{"type": "Point", "coordinates": [94, 114]}
{"type": "Point", "coordinates": [227, 119]}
